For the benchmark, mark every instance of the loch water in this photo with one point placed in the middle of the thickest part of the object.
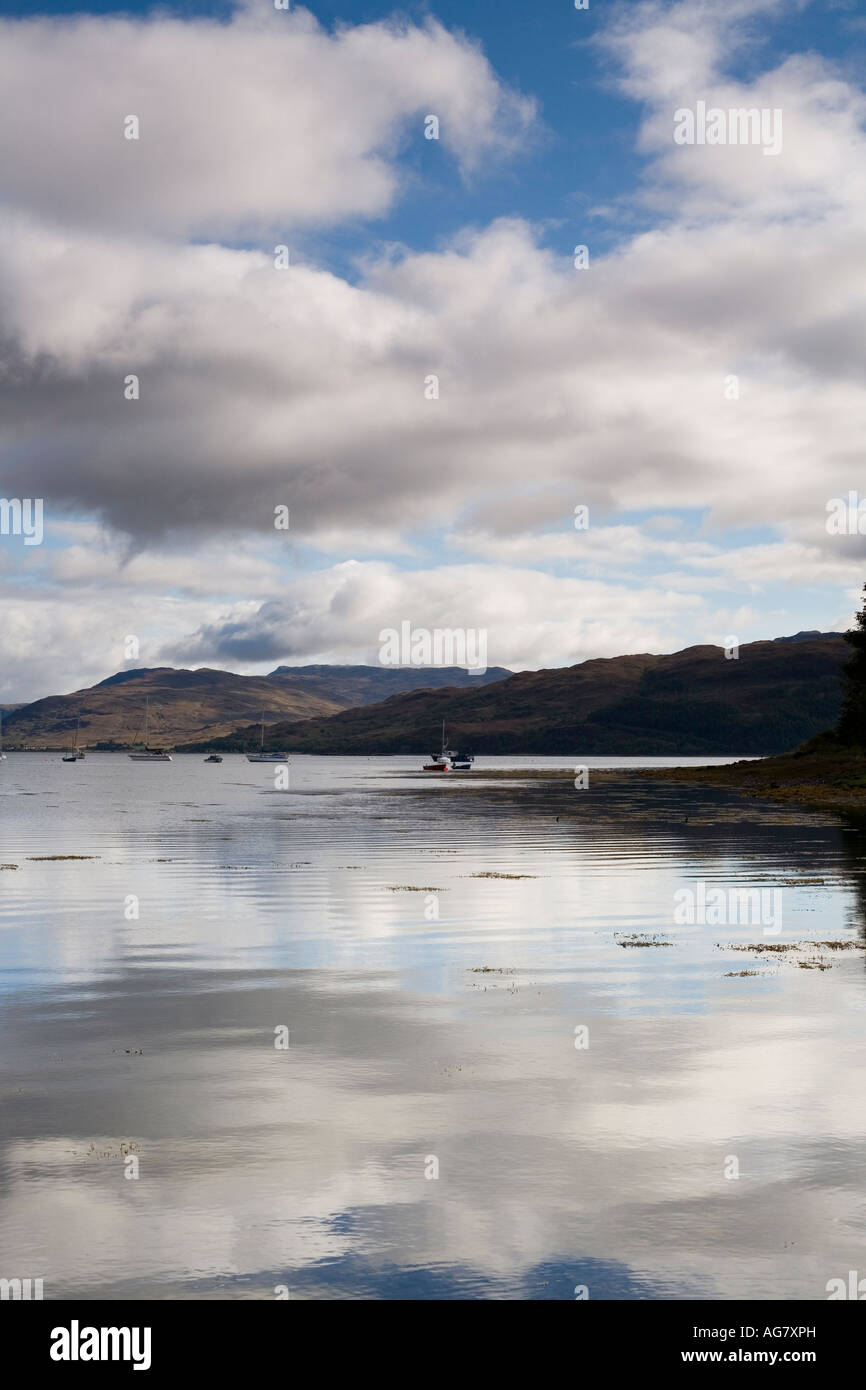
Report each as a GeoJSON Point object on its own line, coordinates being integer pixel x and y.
{"type": "Point", "coordinates": [376, 1035]}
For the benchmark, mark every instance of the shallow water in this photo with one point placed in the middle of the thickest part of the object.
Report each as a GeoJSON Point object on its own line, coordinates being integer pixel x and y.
{"type": "Point", "coordinates": [414, 1038]}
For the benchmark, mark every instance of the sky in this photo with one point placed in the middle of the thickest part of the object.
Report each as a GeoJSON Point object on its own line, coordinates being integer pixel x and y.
{"type": "Point", "coordinates": [426, 375]}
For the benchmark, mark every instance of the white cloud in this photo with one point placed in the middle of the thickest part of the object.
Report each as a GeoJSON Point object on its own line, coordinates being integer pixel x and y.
{"type": "Point", "coordinates": [557, 387]}
{"type": "Point", "coordinates": [261, 387]}
{"type": "Point", "coordinates": [531, 619]}
{"type": "Point", "coordinates": [672, 56]}
{"type": "Point", "coordinates": [265, 123]}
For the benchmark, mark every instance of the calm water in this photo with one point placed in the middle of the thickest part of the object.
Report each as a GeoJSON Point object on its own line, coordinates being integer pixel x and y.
{"type": "Point", "coordinates": [416, 1041]}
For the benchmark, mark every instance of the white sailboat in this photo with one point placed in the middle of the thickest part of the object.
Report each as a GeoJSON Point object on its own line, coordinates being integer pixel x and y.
{"type": "Point", "coordinates": [2, 754]}
{"type": "Point", "coordinates": [449, 759]}
{"type": "Point", "coordinates": [264, 757]}
{"type": "Point", "coordinates": [440, 762]}
{"type": "Point", "coordinates": [149, 755]}
{"type": "Point", "coordinates": [75, 754]}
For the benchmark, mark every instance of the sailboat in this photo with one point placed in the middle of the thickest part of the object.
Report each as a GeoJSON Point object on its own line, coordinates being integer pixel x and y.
{"type": "Point", "coordinates": [2, 754]}
{"type": "Point", "coordinates": [440, 762]}
{"type": "Point", "coordinates": [264, 757]}
{"type": "Point", "coordinates": [75, 753]}
{"type": "Point", "coordinates": [149, 755]}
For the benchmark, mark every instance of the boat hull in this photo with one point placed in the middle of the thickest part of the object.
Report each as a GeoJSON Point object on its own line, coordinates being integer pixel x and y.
{"type": "Point", "coordinates": [150, 757]}
{"type": "Point", "coordinates": [267, 757]}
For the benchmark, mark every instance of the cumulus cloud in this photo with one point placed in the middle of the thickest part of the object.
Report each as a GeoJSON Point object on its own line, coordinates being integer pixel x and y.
{"type": "Point", "coordinates": [267, 122]}
{"type": "Point", "coordinates": [530, 618]}
{"type": "Point", "coordinates": [262, 387]}
{"type": "Point", "coordinates": [669, 57]}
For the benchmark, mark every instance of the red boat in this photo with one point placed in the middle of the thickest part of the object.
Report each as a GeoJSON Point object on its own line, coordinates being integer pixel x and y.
{"type": "Point", "coordinates": [440, 762]}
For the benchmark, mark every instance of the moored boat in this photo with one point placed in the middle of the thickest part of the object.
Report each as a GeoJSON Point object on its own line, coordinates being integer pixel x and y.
{"type": "Point", "coordinates": [263, 757]}
{"type": "Point", "coordinates": [441, 761]}
{"type": "Point", "coordinates": [76, 754]}
{"type": "Point", "coordinates": [149, 754]}
{"type": "Point", "coordinates": [462, 762]}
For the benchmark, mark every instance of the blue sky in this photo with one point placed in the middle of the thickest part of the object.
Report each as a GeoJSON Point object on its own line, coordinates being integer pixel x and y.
{"type": "Point", "coordinates": [556, 386]}
{"type": "Point", "coordinates": [584, 156]}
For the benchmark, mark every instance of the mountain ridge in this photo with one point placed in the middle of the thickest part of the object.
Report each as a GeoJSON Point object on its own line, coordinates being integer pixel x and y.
{"type": "Point", "coordinates": [203, 703]}
{"type": "Point", "coordinates": [776, 694]}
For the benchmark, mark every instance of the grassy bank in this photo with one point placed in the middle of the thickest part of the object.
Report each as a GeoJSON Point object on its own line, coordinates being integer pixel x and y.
{"type": "Point", "coordinates": [822, 774]}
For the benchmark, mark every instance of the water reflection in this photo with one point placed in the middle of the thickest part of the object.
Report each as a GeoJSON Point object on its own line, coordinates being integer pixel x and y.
{"type": "Point", "coordinates": [413, 1036]}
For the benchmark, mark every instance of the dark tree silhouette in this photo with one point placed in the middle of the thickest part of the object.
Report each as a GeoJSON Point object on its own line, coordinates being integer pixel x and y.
{"type": "Point", "coordinates": [852, 725]}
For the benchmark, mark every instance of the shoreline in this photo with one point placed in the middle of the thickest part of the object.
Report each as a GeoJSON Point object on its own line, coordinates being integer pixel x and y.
{"type": "Point", "coordinates": [814, 781]}
{"type": "Point", "coordinates": [824, 781]}
{"type": "Point", "coordinates": [810, 780]}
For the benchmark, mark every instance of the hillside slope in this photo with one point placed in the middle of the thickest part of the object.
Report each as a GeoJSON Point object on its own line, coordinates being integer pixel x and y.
{"type": "Point", "coordinates": [184, 705]}
{"type": "Point", "coordinates": [693, 702]}
{"type": "Point", "coordinates": [202, 704]}
{"type": "Point", "coordinates": [368, 685]}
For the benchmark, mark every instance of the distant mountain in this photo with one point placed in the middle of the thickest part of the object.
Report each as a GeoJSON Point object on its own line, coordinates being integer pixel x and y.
{"type": "Point", "coordinates": [184, 705]}
{"type": "Point", "coordinates": [187, 706]}
{"type": "Point", "coordinates": [367, 685]}
{"type": "Point", "coordinates": [693, 702]}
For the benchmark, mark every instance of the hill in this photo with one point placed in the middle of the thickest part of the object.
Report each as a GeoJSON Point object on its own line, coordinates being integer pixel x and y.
{"type": "Point", "coordinates": [184, 705]}
{"type": "Point", "coordinates": [207, 704]}
{"type": "Point", "coordinates": [692, 702]}
{"type": "Point", "coordinates": [366, 685]}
